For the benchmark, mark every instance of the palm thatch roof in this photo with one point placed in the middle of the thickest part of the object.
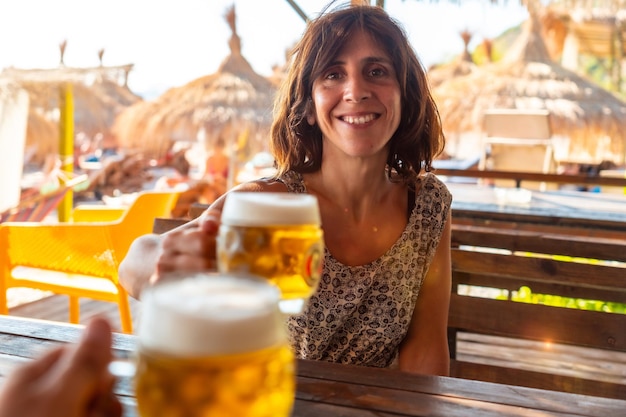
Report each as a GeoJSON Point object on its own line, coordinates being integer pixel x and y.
{"type": "Point", "coordinates": [526, 78]}
{"type": "Point", "coordinates": [462, 64]}
{"type": "Point", "coordinates": [98, 98]}
{"type": "Point", "coordinates": [233, 101]}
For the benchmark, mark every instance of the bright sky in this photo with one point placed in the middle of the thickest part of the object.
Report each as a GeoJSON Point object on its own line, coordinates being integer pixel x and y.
{"type": "Point", "coordinates": [172, 42]}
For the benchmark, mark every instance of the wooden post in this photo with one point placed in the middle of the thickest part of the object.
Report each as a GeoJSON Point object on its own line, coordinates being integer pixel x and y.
{"type": "Point", "coordinates": [298, 10]}
{"type": "Point", "coordinates": [619, 55]}
{"type": "Point", "coordinates": [66, 148]}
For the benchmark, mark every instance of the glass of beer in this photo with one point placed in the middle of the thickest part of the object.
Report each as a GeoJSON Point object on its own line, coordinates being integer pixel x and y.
{"type": "Point", "coordinates": [276, 236]}
{"type": "Point", "coordinates": [213, 345]}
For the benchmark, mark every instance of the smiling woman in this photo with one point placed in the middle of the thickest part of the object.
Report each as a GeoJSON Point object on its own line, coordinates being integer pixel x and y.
{"type": "Point", "coordinates": [355, 126]}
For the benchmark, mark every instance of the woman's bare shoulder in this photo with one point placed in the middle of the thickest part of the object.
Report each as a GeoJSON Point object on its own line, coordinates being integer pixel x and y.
{"type": "Point", "coordinates": [263, 185]}
{"type": "Point", "coordinates": [259, 185]}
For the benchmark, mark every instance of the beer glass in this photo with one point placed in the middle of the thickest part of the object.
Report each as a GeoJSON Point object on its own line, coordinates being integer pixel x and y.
{"type": "Point", "coordinates": [276, 236]}
{"type": "Point", "coordinates": [213, 345]}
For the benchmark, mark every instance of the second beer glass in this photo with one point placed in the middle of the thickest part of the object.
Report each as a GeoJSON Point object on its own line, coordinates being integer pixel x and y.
{"type": "Point", "coordinates": [277, 236]}
{"type": "Point", "coordinates": [213, 345]}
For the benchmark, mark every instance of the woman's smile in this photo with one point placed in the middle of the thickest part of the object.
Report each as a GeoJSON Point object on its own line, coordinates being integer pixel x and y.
{"type": "Point", "coordinates": [359, 120]}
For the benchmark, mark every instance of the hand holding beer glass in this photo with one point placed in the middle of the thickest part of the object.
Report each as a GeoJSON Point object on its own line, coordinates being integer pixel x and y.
{"type": "Point", "coordinates": [213, 345]}
{"type": "Point", "coordinates": [276, 236]}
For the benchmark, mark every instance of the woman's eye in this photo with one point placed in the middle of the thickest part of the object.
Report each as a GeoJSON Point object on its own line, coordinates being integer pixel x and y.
{"type": "Point", "coordinates": [377, 72]}
{"type": "Point", "coordinates": [334, 75]}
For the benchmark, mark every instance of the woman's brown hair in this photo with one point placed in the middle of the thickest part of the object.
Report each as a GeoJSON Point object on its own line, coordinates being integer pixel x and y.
{"type": "Point", "coordinates": [297, 146]}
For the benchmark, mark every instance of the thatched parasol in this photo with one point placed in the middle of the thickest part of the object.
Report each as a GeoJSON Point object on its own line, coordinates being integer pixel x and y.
{"type": "Point", "coordinates": [232, 103]}
{"type": "Point", "coordinates": [526, 78]}
{"type": "Point", "coordinates": [462, 64]}
{"type": "Point", "coordinates": [97, 101]}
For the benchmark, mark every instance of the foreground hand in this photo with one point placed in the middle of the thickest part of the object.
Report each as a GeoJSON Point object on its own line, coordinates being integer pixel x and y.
{"type": "Point", "coordinates": [70, 381]}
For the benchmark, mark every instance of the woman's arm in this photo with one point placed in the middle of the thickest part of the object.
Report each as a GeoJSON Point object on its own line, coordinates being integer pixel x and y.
{"type": "Point", "coordinates": [139, 264]}
{"type": "Point", "coordinates": [425, 347]}
{"type": "Point", "coordinates": [188, 248]}
{"type": "Point", "coordinates": [147, 258]}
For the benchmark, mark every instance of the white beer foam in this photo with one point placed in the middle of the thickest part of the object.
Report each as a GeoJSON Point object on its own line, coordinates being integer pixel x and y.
{"type": "Point", "coordinates": [265, 208]}
{"type": "Point", "coordinates": [211, 314]}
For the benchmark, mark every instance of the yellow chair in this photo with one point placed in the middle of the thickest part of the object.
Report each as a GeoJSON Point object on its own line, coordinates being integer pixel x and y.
{"type": "Point", "coordinates": [78, 259]}
{"type": "Point", "coordinates": [95, 213]}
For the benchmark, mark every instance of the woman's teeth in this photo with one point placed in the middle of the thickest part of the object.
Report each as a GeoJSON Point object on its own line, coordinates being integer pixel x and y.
{"type": "Point", "coordinates": [358, 120]}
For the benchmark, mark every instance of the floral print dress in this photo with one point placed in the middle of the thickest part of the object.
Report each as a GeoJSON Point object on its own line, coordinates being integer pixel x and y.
{"type": "Point", "coordinates": [360, 314]}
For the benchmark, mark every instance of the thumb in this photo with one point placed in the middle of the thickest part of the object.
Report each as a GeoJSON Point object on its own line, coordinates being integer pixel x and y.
{"type": "Point", "coordinates": [87, 365]}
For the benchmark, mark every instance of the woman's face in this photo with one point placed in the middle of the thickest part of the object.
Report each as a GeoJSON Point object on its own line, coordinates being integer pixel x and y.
{"type": "Point", "coordinates": [357, 99]}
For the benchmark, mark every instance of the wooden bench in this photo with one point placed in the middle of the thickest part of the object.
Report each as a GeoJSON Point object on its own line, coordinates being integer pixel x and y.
{"type": "Point", "coordinates": [508, 259]}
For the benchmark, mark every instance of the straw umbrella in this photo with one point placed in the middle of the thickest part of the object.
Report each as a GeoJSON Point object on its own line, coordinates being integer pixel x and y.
{"type": "Point", "coordinates": [97, 101]}
{"type": "Point", "coordinates": [462, 64]}
{"type": "Point", "coordinates": [233, 104]}
{"type": "Point", "coordinates": [526, 78]}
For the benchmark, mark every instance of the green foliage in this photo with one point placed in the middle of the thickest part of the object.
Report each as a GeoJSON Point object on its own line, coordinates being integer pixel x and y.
{"type": "Point", "coordinates": [598, 71]}
{"type": "Point", "coordinates": [525, 295]}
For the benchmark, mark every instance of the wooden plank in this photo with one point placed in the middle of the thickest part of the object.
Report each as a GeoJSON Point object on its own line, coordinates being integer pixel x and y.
{"type": "Point", "coordinates": [538, 322]}
{"type": "Point", "coordinates": [540, 242]}
{"type": "Point", "coordinates": [385, 401]}
{"type": "Point", "coordinates": [534, 222]}
{"type": "Point", "coordinates": [546, 357]}
{"type": "Point", "coordinates": [548, 381]}
{"type": "Point", "coordinates": [314, 408]}
{"type": "Point", "coordinates": [39, 329]}
{"type": "Point", "coordinates": [512, 283]}
{"type": "Point", "coordinates": [520, 177]}
{"type": "Point", "coordinates": [531, 269]}
{"type": "Point", "coordinates": [197, 209]}
{"type": "Point", "coordinates": [162, 225]}
{"type": "Point", "coordinates": [457, 390]}
{"type": "Point", "coordinates": [55, 308]}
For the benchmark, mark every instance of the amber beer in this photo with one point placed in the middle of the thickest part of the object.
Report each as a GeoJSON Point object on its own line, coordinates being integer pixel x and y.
{"type": "Point", "coordinates": [276, 236]}
{"type": "Point", "coordinates": [213, 346]}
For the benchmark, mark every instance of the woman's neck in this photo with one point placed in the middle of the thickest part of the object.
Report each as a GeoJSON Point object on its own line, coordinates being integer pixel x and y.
{"type": "Point", "coordinates": [349, 191]}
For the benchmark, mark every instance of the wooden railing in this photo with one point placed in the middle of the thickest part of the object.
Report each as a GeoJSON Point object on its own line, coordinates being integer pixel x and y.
{"type": "Point", "coordinates": [575, 226]}
{"type": "Point", "coordinates": [508, 259]}
{"type": "Point", "coordinates": [519, 177]}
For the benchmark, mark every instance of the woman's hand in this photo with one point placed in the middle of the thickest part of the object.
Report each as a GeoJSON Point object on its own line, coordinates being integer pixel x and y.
{"type": "Point", "coordinates": [70, 381]}
{"type": "Point", "coordinates": [190, 249]}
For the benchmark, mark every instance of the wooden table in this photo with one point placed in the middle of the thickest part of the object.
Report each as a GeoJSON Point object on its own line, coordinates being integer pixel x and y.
{"type": "Point", "coordinates": [572, 204]}
{"type": "Point", "coordinates": [332, 390]}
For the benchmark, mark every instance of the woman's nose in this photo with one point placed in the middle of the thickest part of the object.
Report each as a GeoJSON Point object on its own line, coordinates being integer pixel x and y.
{"type": "Point", "coordinates": [356, 89]}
